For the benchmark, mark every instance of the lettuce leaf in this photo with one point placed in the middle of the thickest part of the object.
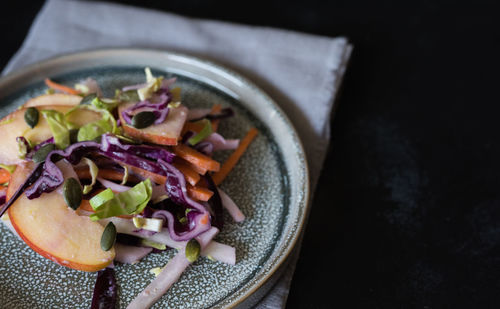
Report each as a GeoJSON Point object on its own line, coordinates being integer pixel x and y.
{"type": "Point", "coordinates": [204, 133]}
{"type": "Point", "coordinates": [133, 201]}
{"type": "Point", "coordinates": [95, 129]}
{"type": "Point", "coordinates": [58, 126]}
{"type": "Point", "coordinates": [153, 84]}
{"type": "Point", "coordinates": [94, 170]}
{"type": "Point", "coordinates": [106, 104]}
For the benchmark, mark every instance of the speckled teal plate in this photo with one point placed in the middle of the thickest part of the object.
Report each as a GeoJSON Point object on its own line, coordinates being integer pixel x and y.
{"type": "Point", "coordinates": [270, 184]}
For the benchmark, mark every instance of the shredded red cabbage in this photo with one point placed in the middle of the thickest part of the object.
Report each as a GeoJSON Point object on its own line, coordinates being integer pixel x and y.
{"type": "Point", "coordinates": [111, 143]}
{"type": "Point", "coordinates": [154, 159]}
{"type": "Point", "coordinates": [158, 104]}
{"type": "Point", "coordinates": [111, 147]}
{"type": "Point", "coordinates": [215, 203]}
{"type": "Point", "coordinates": [52, 177]}
{"type": "Point", "coordinates": [3, 197]}
{"type": "Point", "coordinates": [29, 181]}
{"type": "Point", "coordinates": [205, 147]}
{"type": "Point", "coordinates": [105, 290]}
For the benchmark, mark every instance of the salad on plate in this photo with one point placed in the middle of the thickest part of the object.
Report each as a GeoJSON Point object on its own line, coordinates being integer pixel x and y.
{"type": "Point", "coordinates": [89, 181]}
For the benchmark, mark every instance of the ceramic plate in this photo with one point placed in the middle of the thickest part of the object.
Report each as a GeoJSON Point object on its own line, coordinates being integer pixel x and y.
{"type": "Point", "coordinates": [270, 184]}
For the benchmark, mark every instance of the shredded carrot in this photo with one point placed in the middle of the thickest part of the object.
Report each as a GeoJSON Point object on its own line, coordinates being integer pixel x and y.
{"type": "Point", "coordinates": [84, 173]}
{"type": "Point", "coordinates": [195, 157]}
{"type": "Point", "coordinates": [196, 168]}
{"type": "Point", "coordinates": [60, 87]}
{"type": "Point", "coordinates": [215, 123]}
{"type": "Point", "coordinates": [199, 193]}
{"type": "Point", "coordinates": [190, 175]}
{"type": "Point", "coordinates": [4, 176]}
{"type": "Point", "coordinates": [235, 156]}
{"type": "Point", "coordinates": [195, 127]}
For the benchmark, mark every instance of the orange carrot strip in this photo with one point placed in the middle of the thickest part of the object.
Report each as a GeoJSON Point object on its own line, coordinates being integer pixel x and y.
{"type": "Point", "coordinates": [196, 168]}
{"type": "Point", "coordinates": [190, 175]}
{"type": "Point", "coordinates": [195, 157]}
{"type": "Point", "coordinates": [199, 193]}
{"type": "Point", "coordinates": [215, 123]}
{"type": "Point", "coordinates": [235, 156]}
{"type": "Point", "coordinates": [4, 176]}
{"type": "Point", "coordinates": [84, 173]}
{"type": "Point", "coordinates": [60, 87]}
{"type": "Point", "coordinates": [195, 127]}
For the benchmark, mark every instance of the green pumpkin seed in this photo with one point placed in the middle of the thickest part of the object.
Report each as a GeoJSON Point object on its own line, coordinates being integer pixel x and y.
{"type": "Point", "coordinates": [128, 139]}
{"type": "Point", "coordinates": [72, 192]}
{"type": "Point", "coordinates": [108, 237]}
{"type": "Point", "coordinates": [193, 249]}
{"type": "Point", "coordinates": [88, 99]}
{"type": "Point", "coordinates": [42, 153]}
{"type": "Point", "coordinates": [31, 116]}
{"type": "Point", "coordinates": [143, 120]}
{"type": "Point", "coordinates": [73, 136]}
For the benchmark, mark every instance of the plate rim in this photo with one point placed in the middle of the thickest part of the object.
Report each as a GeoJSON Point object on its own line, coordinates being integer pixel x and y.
{"type": "Point", "coordinates": [286, 247]}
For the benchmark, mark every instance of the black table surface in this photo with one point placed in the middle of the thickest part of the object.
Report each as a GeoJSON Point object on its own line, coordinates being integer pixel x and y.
{"type": "Point", "coordinates": [407, 211]}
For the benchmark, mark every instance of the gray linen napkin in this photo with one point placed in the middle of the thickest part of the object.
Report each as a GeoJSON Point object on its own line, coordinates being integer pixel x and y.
{"type": "Point", "coordinates": [301, 72]}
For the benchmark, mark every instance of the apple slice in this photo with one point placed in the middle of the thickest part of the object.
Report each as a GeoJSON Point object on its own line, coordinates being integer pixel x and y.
{"type": "Point", "coordinates": [54, 99]}
{"type": "Point", "coordinates": [14, 125]}
{"type": "Point", "coordinates": [54, 230]}
{"type": "Point", "coordinates": [165, 133]}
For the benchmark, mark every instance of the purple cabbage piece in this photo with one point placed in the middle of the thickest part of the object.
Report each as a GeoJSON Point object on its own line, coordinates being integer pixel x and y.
{"type": "Point", "coordinates": [187, 136]}
{"type": "Point", "coordinates": [205, 147]}
{"type": "Point", "coordinates": [158, 104]}
{"type": "Point", "coordinates": [215, 203]}
{"type": "Point", "coordinates": [185, 232]}
{"type": "Point", "coordinates": [29, 181]}
{"type": "Point", "coordinates": [52, 177]}
{"type": "Point", "coordinates": [47, 177]}
{"type": "Point", "coordinates": [105, 290]}
{"type": "Point", "coordinates": [111, 147]}
{"type": "Point", "coordinates": [3, 197]}
{"type": "Point", "coordinates": [110, 143]}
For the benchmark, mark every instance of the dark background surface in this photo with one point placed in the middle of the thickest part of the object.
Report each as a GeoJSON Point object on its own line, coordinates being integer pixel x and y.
{"type": "Point", "coordinates": [407, 212]}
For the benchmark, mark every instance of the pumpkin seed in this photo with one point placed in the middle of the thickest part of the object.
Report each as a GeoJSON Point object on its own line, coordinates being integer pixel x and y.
{"type": "Point", "coordinates": [42, 153]}
{"type": "Point", "coordinates": [143, 120]}
{"type": "Point", "coordinates": [128, 139]}
{"type": "Point", "coordinates": [72, 192]}
{"type": "Point", "coordinates": [108, 237]}
{"type": "Point", "coordinates": [31, 116]}
{"type": "Point", "coordinates": [193, 249]}
{"type": "Point", "coordinates": [73, 136]}
{"type": "Point", "coordinates": [88, 99]}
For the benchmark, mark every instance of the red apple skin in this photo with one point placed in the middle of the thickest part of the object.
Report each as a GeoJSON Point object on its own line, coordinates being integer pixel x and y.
{"type": "Point", "coordinates": [14, 125]}
{"type": "Point", "coordinates": [54, 230]}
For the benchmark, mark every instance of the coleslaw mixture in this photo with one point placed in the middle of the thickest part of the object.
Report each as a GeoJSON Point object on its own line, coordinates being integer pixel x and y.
{"type": "Point", "coordinates": [88, 181]}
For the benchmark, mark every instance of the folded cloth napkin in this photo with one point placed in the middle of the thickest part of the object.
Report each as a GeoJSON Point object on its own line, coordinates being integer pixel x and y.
{"type": "Point", "coordinates": [301, 72]}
